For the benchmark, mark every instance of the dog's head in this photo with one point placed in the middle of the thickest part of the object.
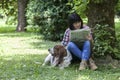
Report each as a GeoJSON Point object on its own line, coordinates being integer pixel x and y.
{"type": "Point", "coordinates": [58, 51]}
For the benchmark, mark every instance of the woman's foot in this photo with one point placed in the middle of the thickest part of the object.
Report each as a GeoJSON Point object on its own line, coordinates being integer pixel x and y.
{"type": "Point", "coordinates": [92, 64]}
{"type": "Point", "coordinates": [83, 65]}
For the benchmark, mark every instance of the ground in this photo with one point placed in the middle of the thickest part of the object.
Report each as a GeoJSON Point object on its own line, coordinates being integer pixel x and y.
{"type": "Point", "coordinates": [22, 54]}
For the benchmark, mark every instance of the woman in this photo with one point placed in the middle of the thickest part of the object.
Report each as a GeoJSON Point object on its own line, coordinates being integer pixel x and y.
{"type": "Point", "coordinates": [82, 50]}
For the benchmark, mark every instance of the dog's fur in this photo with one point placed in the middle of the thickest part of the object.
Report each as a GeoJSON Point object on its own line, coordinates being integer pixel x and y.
{"type": "Point", "coordinates": [59, 56]}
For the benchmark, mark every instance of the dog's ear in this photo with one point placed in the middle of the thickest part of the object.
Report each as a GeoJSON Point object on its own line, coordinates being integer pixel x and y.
{"type": "Point", "coordinates": [60, 50]}
{"type": "Point", "coordinates": [62, 53]}
{"type": "Point", "coordinates": [56, 50]}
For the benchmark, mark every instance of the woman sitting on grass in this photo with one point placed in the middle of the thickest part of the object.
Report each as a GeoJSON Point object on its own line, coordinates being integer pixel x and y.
{"type": "Point", "coordinates": [82, 50]}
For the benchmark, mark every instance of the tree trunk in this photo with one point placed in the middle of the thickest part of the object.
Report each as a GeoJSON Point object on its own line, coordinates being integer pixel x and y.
{"type": "Point", "coordinates": [102, 13]}
{"type": "Point", "coordinates": [22, 23]}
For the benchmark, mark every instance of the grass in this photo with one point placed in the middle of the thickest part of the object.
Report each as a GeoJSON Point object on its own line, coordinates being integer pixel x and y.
{"type": "Point", "coordinates": [22, 54]}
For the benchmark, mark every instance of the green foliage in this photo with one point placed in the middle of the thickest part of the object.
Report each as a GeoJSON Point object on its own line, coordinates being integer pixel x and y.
{"type": "Point", "coordinates": [79, 6]}
{"type": "Point", "coordinates": [103, 40]}
{"type": "Point", "coordinates": [117, 8]}
{"type": "Point", "coordinates": [9, 9]}
{"type": "Point", "coordinates": [117, 26]}
{"type": "Point", "coordinates": [102, 1]}
{"type": "Point", "coordinates": [98, 1]}
{"type": "Point", "coordinates": [50, 16]}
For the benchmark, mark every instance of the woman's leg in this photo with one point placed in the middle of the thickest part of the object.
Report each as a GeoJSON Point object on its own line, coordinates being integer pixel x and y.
{"type": "Point", "coordinates": [74, 49]}
{"type": "Point", "coordinates": [86, 50]}
{"type": "Point", "coordinates": [81, 54]}
{"type": "Point", "coordinates": [85, 55]}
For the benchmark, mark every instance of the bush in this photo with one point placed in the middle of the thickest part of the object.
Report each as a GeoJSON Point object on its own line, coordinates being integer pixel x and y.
{"type": "Point", "coordinates": [9, 11]}
{"type": "Point", "coordinates": [50, 16]}
{"type": "Point", "coordinates": [102, 42]}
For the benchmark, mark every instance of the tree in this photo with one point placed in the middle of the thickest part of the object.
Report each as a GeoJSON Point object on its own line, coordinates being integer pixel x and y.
{"type": "Point", "coordinates": [102, 12]}
{"type": "Point", "coordinates": [22, 23]}
{"type": "Point", "coordinates": [10, 8]}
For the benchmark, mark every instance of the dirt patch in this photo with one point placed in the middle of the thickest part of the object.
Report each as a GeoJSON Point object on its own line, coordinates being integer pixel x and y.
{"type": "Point", "coordinates": [107, 61]}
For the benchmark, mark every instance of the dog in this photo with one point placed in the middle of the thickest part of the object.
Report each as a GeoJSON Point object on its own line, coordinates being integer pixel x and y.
{"type": "Point", "coordinates": [58, 56]}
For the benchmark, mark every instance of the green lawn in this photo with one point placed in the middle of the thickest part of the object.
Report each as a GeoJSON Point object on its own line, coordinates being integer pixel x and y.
{"type": "Point", "coordinates": [21, 56]}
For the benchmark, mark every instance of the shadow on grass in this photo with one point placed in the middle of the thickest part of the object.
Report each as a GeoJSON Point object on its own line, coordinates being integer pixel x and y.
{"type": "Point", "coordinates": [28, 67]}
{"type": "Point", "coordinates": [19, 67]}
{"type": "Point", "coordinates": [18, 34]}
{"type": "Point", "coordinates": [44, 44]}
{"type": "Point", "coordinates": [10, 31]}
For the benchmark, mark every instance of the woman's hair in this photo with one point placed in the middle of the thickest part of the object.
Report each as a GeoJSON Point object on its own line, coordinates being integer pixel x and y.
{"type": "Point", "coordinates": [72, 18]}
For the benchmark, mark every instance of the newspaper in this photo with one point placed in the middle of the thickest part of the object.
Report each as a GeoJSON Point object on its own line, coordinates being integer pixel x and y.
{"type": "Point", "coordinates": [79, 35]}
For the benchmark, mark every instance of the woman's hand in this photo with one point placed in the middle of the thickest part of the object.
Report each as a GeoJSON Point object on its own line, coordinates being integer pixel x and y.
{"type": "Point", "coordinates": [89, 37]}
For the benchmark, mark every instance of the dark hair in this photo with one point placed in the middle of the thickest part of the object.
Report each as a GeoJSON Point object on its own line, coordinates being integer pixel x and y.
{"type": "Point", "coordinates": [72, 18]}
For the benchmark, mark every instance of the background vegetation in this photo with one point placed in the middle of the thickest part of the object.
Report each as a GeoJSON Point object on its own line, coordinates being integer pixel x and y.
{"type": "Point", "coordinates": [50, 16]}
{"type": "Point", "coordinates": [24, 39]}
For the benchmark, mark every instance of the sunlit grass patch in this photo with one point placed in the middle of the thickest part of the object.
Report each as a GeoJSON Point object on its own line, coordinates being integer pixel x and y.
{"type": "Point", "coordinates": [29, 43]}
{"type": "Point", "coordinates": [7, 29]}
{"type": "Point", "coordinates": [22, 54]}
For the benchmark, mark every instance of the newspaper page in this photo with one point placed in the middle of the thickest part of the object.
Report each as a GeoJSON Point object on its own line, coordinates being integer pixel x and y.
{"type": "Point", "coordinates": [79, 35]}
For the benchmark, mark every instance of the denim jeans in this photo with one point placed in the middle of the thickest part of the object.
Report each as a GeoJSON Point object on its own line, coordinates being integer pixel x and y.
{"type": "Point", "coordinates": [82, 53]}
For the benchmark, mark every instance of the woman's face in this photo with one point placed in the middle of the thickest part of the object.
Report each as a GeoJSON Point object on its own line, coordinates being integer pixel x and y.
{"type": "Point", "coordinates": [77, 25]}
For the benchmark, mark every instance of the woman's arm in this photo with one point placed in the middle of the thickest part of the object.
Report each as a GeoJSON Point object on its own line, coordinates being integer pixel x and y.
{"type": "Point", "coordinates": [66, 37]}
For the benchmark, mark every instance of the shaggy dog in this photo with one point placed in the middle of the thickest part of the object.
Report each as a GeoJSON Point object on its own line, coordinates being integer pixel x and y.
{"type": "Point", "coordinates": [58, 56]}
